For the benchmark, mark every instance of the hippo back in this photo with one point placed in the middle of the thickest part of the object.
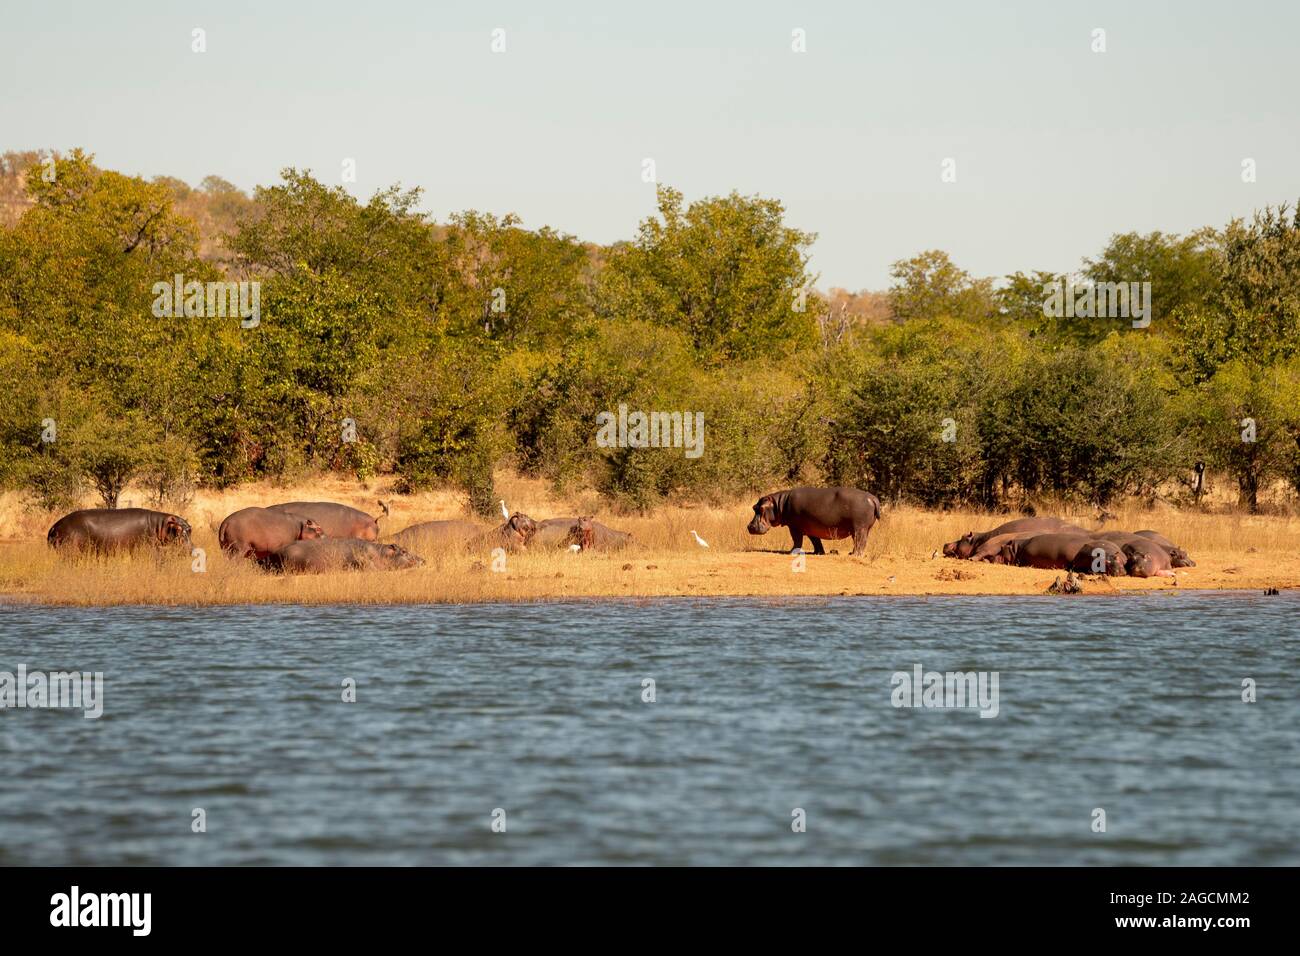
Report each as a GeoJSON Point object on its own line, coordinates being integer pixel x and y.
{"type": "Point", "coordinates": [336, 520]}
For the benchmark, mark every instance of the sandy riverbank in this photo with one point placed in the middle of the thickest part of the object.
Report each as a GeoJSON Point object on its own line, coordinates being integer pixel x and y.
{"type": "Point", "coordinates": [1234, 552]}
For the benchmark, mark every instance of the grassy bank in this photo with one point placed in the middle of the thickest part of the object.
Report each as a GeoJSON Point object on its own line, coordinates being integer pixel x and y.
{"type": "Point", "coordinates": [1233, 551]}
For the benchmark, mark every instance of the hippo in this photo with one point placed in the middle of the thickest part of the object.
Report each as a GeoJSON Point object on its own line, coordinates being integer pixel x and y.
{"type": "Point", "coordinates": [337, 521]}
{"type": "Point", "coordinates": [260, 532]}
{"type": "Point", "coordinates": [967, 544]}
{"type": "Point", "coordinates": [818, 513]}
{"type": "Point", "coordinates": [1146, 558]}
{"type": "Point", "coordinates": [340, 554]}
{"type": "Point", "coordinates": [991, 549]}
{"type": "Point", "coordinates": [117, 529]}
{"type": "Point", "coordinates": [1065, 551]}
{"type": "Point", "coordinates": [439, 533]}
{"type": "Point", "coordinates": [584, 531]}
{"type": "Point", "coordinates": [516, 533]}
{"type": "Point", "coordinates": [1178, 558]}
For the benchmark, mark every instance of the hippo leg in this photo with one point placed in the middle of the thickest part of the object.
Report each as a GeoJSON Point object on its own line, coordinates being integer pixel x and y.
{"type": "Point", "coordinates": [797, 538]}
{"type": "Point", "coordinates": [817, 545]}
{"type": "Point", "coordinates": [859, 542]}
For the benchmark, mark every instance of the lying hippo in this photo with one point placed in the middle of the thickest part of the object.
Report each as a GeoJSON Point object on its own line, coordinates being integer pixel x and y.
{"type": "Point", "coordinates": [337, 521]}
{"type": "Point", "coordinates": [117, 529]}
{"type": "Point", "coordinates": [968, 543]}
{"type": "Point", "coordinates": [991, 549]}
{"type": "Point", "coordinates": [260, 532]}
{"type": "Point", "coordinates": [818, 513]}
{"type": "Point", "coordinates": [515, 534]}
{"type": "Point", "coordinates": [584, 531]}
{"type": "Point", "coordinates": [1065, 551]}
{"type": "Point", "coordinates": [1178, 558]}
{"type": "Point", "coordinates": [439, 533]}
{"type": "Point", "coordinates": [1146, 559]}
{"type": "Point", "coordinates": [340, 554]}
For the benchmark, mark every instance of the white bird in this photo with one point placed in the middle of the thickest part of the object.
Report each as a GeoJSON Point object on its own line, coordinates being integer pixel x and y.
{"type": "Point", "coordinates": [575, 547]}
{"type": "Point", "coordinates": [505, 512]}
{"type": "Point", "coordinates": [700, 541]}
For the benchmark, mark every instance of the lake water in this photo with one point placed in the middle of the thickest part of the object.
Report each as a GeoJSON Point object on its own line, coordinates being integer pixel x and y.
{"type": "Point", "coordinates": [1132, 705]}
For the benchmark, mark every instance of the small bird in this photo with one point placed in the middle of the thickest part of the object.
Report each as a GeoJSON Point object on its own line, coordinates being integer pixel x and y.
{"type": "Point", "coordinates": [505, 512]}
{"type": "Point", "coordinates": [575, 547]}
{"type": "Point", "coordinates": [891, 579]}
{"type": "Point", "coordinates": [700, 541]}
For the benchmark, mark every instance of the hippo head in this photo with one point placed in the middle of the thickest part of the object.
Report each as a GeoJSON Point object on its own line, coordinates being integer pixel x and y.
{"type": "Point", "coordinates": [764, 519]}
{"type": "Point", "coordinates": [398, 558]}
{"type": "Point", "coordinates": [1116, 562]}
{"type": "Point", "coordinates": [1006, 554]}
{"type": "Point", "coordinates": [310, 530]}
{"type": "Point", "coordinates": [582, 533]}
{"type": "Point", "coordinates": [1180, 559]}
{"type": "Point", "coordinates": [520, 528]}
{"type": "Point", "coordinates": [1140, 564]}
{"type": "Point", "coordinates": [962, 548]}
{"type": "Point", "coordinates": [175, 528]}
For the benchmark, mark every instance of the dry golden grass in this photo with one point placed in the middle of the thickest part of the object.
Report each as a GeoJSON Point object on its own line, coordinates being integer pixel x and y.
{"type": "Point", "coordinates": [1233, 552]}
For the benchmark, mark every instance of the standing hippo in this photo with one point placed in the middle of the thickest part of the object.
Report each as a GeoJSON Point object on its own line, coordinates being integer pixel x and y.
{"type": "Point", "coordinates": [1146, 559]}
{"type": "Point", "coordinates": [968, 543]}
{"type": "Point", "coordinates": [117, 529]}
{"type": "Point", "coordinates": [340, 554]}
{"type": "Point", "coordinates": [260, 532]}
{"type": "Point", "coordinates": [1065, 551]}
{"type": "Point", "coordinates": [818, 513]}
{"type": "Point", "coordinates": [337, 521]}
{"type": "Point", "coordinates": [1177, 556]}
{"type": "Point", "coordinates": [584, 531]}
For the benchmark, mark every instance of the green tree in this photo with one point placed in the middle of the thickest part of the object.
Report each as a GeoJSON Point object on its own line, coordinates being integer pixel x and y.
{"type": "Point", "coordinates": [930, 285]}
{"type": "Point", "coordinates": [725, 271]}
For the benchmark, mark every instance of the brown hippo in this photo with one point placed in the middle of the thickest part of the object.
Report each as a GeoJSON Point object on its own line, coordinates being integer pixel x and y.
{"type": "Point", "coordinates": [967, 544]}
{"type": "Point", "coordinates": [584, 531]}
{"type": "Point", "coordinates": [260, 532]}
{"type": "Point", "coordinates": [117, 529]}
{"type": "Point", "coordinates": [337, 521]}
{"type": "Point", "coordinates": [341, 554]}
{"type": "Point", "coordinates": [991, 549]}
{"type": "Point", "coordinates": [1178, 558]}
{"type": "Point", "coordinates": [515, 534]}
{"type": "Point", "coordinates": [429, 536]}
{"type": "Point", "coordinates": [818, 513]}
{"type": "Point", "coordinates": [1146, 559]}
{"type": "Point", "coordinates": [1065, 551]}
{"type": "Point", "coordinates": [439, 534]}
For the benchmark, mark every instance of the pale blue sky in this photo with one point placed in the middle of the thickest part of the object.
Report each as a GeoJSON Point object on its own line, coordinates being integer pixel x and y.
{"type": "Point", "coordinates": [1056, 147]}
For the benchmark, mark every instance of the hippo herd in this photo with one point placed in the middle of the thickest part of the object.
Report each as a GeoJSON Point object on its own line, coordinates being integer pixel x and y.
{"type": "Point", "coordinates": [1053, 543]}
{"type": "Point", "coordinates": [315, 536]}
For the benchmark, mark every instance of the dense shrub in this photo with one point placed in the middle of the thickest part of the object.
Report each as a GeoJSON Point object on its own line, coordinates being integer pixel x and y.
{"type": "Point", "coordinates": [434, 353]}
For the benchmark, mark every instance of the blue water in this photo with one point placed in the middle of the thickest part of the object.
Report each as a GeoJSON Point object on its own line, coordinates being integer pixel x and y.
{"type": "Point", "coordinates": [1131, 704]}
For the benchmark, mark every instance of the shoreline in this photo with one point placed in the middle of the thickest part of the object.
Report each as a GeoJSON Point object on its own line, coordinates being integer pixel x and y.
{"type": "Point", "coordinates": [1234, 552]}
{"type": "Point", "coordinates": [17, 600]}
{"type": "Point", "coordinates": [151, 580]}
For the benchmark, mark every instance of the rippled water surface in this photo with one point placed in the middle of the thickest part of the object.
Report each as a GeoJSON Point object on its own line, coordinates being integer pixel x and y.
{"type": "Point", "coordinates": [1130, 704]}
